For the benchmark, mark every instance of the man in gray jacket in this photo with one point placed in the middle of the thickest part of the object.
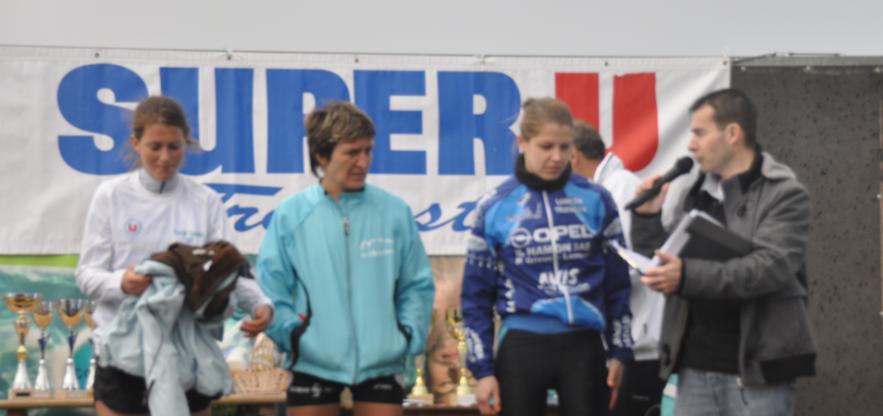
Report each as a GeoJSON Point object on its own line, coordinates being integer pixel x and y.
{"type": "Point", "coordinates": [735, 331]}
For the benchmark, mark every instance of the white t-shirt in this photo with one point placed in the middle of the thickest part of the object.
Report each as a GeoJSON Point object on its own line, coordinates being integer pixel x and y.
{"type": "Point", "coordinates": [133, 216]}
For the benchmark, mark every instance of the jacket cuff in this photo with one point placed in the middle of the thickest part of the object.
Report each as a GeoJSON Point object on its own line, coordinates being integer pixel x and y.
{"type": "Point", "coordinates": [114, 288]}
{"type": "Point", "coordinates": [408, 333]}
{"type": "Point", "coordinates": [622, 354]}
{"type": "Point", "coordinates": [646, 216]}
{"type": "Point", "coordinates": [683, 277]}
{"type": "Point", "coordinates": [482, 372]}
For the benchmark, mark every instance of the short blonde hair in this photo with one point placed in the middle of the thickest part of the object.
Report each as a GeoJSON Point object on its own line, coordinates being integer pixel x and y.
{"type": "Point", "coordinates": [540, 111]}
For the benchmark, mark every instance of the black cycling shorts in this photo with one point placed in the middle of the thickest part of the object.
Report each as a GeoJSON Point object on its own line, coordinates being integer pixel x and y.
{"type": "Point", "coordinates": [572, 363]}
{"type": "Point", "coordinates": [124, 393]}
{"type": "Point", "coordinates": [308, 390]}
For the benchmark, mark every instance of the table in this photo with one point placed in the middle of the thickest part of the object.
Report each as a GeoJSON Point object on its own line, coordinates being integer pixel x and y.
{"type": "Point", "coordinates": [20, 406]}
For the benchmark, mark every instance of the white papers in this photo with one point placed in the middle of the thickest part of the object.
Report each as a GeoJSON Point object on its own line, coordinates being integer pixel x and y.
{"type": "Point", "coordinates": [672, 246]}
{"type": "Point", "coordinates": [635, 260]}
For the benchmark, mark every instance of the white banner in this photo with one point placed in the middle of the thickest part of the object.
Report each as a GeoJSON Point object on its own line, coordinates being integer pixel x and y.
{"type": "Point", "coordinates": [446, 126]}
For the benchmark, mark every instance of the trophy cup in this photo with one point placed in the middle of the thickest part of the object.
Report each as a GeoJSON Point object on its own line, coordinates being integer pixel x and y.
{"type": "Point", "coordinates": [42, 314]}
{"type": "Point", "coordinates": [21, 303]}
{"type": "Point", "coordinates": [465, 396]}
{"type": "Point", "coordinates": [88, 310]}
{"type": "Point", "coordinates": [419, 392]}
{"type": "Point", "coordinates": [70, 310]}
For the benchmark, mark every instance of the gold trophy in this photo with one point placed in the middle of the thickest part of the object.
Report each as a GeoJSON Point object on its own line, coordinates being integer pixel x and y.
{"type": "Point", "coordinates": [70, 310]}
{"type": "Point", "coordinates": [42, 314]}
{"type": "Point", "coordinates": [465, 396]}
{"type": "Point", "coordinates": [88, 310]}
{"type": "Point", "coordinates": [419, 392]}
{"type": "Point", "coordinates": [22, 304]}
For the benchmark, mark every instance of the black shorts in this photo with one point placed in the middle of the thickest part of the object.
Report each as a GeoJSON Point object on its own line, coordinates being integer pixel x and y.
{"type": "Point", "coordinates": [124, 393]}
{"type": "Point", "coordinates": [572, 363]}
{"type": "Point", "coordinates": [307, 390]}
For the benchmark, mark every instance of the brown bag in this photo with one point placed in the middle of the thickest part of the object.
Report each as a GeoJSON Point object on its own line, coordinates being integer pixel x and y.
{"type": "Point", "coordinates": [202, 269]}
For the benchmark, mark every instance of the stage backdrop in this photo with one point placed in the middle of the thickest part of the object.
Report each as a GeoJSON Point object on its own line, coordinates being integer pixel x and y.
{"type": "Point", "coordinates": [446, 126]}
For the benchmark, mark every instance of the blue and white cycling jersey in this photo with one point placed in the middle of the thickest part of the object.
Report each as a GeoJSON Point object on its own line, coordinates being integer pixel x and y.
{"type": "Point", "coordinates": [542, 258]}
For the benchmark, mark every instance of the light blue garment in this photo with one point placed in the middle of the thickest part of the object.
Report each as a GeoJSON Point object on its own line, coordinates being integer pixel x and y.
{"type": "Point", "coordinates": [710, 393]}
{"type": "Point", "coordinates": [362, 265]}
{"type": "Point", "coordinates": [155, 336]}
{"type": "Point", "coordinates": [669, 396]}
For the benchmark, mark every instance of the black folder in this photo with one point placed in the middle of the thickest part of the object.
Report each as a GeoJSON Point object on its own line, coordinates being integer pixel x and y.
{"type": "Point", "coordinates": [709, 240]}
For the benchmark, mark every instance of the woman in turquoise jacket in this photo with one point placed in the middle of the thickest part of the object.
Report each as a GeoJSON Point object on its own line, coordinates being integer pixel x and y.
{"type": "Point", "coordinates": [348, 276]}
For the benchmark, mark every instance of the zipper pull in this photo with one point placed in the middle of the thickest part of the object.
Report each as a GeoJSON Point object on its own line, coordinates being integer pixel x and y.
{"type": "Point", "coordinates": [346, 226]}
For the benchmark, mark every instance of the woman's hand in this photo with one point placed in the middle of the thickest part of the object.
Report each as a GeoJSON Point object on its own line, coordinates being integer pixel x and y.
{"type": "Point", "coordinates": [133, 283]}
{"type": "Point", "coordinates": [263, 314]}
{"type": "Point", "coordinates": [614, 380]}
{"type": "Point", "coordinates": [487, 395]}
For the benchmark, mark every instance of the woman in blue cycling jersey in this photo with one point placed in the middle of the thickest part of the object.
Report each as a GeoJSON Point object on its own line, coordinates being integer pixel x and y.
{"type": "Point", "coordinates": [539, 255]}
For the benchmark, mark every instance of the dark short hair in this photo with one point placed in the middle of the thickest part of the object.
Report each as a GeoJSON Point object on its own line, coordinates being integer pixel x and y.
{"type": "Point", "coordinates": [731, 106]}
{"type": "Point", "coordinates": [339, 121]}
{"type": "Point", "coordinates": [588, 141]}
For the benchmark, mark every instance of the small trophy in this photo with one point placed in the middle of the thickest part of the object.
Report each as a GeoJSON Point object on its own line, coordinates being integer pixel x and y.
{"type": "Point", "coordinates": [88, 310]}
{"type": "Point", "coordinates": [419, 392]}
{"type": "Point", "coordinates": [42, 314]}
{"type": "Point", "coordinates": [465, 396]}
{"type": "Point", "coordinates": [22, 304]}
{"type": "Point", "coordinates": [70, 310]}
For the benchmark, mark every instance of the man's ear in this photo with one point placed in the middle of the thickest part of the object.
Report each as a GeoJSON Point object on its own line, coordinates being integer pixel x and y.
{"type": "Point", "coordinates": [734, 134]}
{"type": "Point", "coordinates": [577, 160]}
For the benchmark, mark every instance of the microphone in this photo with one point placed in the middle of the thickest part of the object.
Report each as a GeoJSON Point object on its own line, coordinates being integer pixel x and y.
{"type": "Point", "coordinates": [682, 166]}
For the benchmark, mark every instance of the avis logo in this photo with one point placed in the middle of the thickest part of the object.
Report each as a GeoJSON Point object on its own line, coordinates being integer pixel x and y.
{"type": "Point", "coordinates": [133, 227]}
{"type": "Point", "coordinates": [558, 278]}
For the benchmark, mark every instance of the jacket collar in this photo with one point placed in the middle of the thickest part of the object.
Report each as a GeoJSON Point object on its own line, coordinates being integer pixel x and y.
{"type": "Point", "coordinates": [611, 163]}
{"type": "Point", "coordinates": [155, 186]}
{"type": "Point", "coordinates": [535, 182]}
{"type": "Point", "coordinates": [764, 165]}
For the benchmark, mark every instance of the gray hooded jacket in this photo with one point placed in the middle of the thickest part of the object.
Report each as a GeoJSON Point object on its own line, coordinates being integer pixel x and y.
{"type": "Point", "coordinates": [776, 342]}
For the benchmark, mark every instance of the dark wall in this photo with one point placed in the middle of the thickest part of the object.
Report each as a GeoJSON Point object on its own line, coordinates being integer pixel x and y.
{"type": "Point", "coordinates": [825, 123]}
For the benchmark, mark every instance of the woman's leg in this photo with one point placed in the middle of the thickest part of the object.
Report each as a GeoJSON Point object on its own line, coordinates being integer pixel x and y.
{"type": "Point", "coordinates": [101, 409]}
{"type": "Point", "coordinates": [379, 409]}
{"type": "Point", "coordinates": [314, 410]}
{"type": "Point", "coordinates": [380, 396]}
{"type": "Point", "coordinates": [204, 412]}
{"type": "Point", "coordinates": [524, 370]}
{"type": "Point", "coordinates": [582, 374]}
{"type": "Point", "coordinates": [309, 395]}
{"type": "Point", "coordinates": [117, 393]}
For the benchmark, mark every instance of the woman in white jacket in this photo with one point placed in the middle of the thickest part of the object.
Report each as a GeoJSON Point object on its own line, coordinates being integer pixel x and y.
{"type": "Point", "coordinates": [138, 214]}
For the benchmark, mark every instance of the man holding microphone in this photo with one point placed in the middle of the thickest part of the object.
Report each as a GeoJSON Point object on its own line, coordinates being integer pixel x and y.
{"type": "Point", "coordinates": [735, 331]}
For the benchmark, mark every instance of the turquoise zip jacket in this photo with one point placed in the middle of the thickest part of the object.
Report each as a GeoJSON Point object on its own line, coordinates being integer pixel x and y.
{"type": "Point", "coordinates": [350, 282]}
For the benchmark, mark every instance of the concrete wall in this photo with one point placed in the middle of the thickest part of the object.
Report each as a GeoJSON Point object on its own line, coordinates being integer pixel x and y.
{"type": "Point", "coordinates": [825, 123]}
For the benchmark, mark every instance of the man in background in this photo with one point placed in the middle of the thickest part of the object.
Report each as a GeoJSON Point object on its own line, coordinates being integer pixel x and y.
{"type": "Point", "coordinates": [641, 387]}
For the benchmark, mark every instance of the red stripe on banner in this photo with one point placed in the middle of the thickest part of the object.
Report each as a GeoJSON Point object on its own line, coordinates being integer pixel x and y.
{"type": "Point", "coordinates": [635, 121]}
{"type": "Point", "coordinates": [579, 90]}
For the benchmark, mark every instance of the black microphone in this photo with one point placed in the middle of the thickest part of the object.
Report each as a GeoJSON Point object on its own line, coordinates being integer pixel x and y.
{"type": "Point", "coordinates": [682, 166]}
